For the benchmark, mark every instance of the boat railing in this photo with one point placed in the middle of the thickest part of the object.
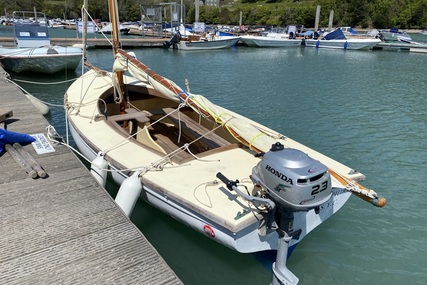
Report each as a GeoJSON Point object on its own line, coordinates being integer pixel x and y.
{"type": "Point", "coordinates": [29, 17]}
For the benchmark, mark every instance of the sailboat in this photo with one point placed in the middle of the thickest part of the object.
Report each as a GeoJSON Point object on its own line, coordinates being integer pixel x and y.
{"type": "Point", "coordinates": [232, 179]}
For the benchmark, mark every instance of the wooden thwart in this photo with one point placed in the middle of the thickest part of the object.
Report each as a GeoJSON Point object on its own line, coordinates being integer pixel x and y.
{"type": "Point", "coordinates": [195, 130]}
{"type": "Point", "coordinates": [139, 117]}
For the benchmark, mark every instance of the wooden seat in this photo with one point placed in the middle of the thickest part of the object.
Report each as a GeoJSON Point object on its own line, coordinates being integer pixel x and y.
{"type": "Point", "coordinates": [163, 137]}
{"type": "Point", "coordinates": [139, 117]}
{"type": "Point", "coordinates": [195, 130]}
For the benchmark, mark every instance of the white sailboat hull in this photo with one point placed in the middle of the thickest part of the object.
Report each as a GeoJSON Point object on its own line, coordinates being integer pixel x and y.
{"type": "Point", "coordinates": [186, 191]}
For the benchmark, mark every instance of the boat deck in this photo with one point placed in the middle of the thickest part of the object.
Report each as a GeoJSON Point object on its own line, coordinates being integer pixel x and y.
{"type": "Point", "coordinates": [65, 228]}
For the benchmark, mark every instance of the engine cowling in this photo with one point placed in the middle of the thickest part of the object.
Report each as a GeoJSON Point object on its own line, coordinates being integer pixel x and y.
{"type": "Point", "coordinates": [292, 178]}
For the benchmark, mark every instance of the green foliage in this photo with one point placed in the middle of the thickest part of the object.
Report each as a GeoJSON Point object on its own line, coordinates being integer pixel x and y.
{"type": "Point", "coordinates": [361, 13]}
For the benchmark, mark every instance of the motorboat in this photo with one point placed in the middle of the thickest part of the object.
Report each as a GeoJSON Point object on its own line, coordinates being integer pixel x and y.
{"type": "Point", "coordinates": [205, 41]}
{"type": "Point", "coordinates": [277, 37]}
{"type": "Point", "coordinates": [394, 35]}
{"type": "Point", "coordinates": [337, 40]}
{"type": "Point", "coordinates": [35, 53]}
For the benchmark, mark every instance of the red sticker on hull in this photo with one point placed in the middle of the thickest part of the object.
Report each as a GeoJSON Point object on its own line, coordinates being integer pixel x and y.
{"type": "Point", "coordinates": [209, 231]}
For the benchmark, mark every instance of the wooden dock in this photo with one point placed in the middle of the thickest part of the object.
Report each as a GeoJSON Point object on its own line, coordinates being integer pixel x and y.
{"type": "Point", "coordinates": [65, 228]}
{"type": "Point", "coordinates": [97, 42]}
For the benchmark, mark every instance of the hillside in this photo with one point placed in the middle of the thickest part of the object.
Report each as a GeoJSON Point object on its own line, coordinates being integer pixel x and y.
{"type": "Point", "coordinates": [404, 14]}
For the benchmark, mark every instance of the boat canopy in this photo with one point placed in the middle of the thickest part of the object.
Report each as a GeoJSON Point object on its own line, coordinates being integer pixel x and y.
{"type": "Point", "coordinates": [335, 35]}
{"type": "Point", "coordinates": [353, 32]}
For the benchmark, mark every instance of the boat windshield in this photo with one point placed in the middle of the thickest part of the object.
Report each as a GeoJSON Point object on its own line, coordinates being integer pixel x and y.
{"type": "Point", "coordinates": [31, 35]}
{"type": "Point", "coordinates": [32, 30]}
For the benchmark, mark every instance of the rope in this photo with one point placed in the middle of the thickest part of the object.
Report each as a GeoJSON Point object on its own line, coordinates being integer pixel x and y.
{"type": "Point", "coordinates": [126, 139]}
{"type": "Point", "coordinates": [352, 187]}
{"type": "Point", "coordinates": [27, 93]}
{"type": "Point", "coordinates": [118, 95]}
{"type": "Point", "coordinates": [20, 51]}
{"type": "Point", "coordinates": [254, 138]}
{"type": "Point", "coordinates": [100, 31]}
{"type": "Point", "coordinates": [54, 137]}
{"type": "Point", "coordinates": [207, 184]}
{"type": "Point", "coordinates": [45, 83]}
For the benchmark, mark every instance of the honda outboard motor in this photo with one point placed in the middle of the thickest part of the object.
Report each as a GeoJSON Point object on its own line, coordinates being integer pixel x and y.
{"type": "Point", "coordinates": [293, 179]}
{"type": "Point", "coordinates": [295, 182]}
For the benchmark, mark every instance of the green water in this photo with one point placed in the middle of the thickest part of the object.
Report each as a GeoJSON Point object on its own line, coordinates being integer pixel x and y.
{"type": "Point", "coordinates": [366, 109]}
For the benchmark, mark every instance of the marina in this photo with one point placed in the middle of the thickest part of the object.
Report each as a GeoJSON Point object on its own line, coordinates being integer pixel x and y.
{"type": "Point", "coordinates": [332, 241]}
{"type": "Point", "coordinates": [59, 225]}
{"type": "Point", "coordinates": [162, 143]}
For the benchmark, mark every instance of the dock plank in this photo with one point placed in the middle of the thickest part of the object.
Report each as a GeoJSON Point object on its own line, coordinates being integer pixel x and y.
{"type": "Point", "coordinates": [65, 228]}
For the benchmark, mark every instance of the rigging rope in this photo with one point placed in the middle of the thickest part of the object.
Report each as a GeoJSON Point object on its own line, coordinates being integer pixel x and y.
{"type": "Point", "coordinates": [45, 83]}
{"type": "Point", "coordinates": [7, 79]}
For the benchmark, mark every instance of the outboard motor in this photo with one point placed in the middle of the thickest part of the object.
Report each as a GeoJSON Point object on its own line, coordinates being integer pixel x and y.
{"type": "Point", "coordinates": [293, 179]}
{"type": "Point", "coordinates": [295, 182]}
{"type": "Point", "coordinates": [176, 38]}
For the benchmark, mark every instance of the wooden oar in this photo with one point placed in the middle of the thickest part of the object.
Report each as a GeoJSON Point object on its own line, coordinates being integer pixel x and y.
{"type": "Point", "coordinates": [361, 192]}
{"type": "Point", "coordinates": [34, 164]}
{"type": "Point", "coordinates": [21, 161]}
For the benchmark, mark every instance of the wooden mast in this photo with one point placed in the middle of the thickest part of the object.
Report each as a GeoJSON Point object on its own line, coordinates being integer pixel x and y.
{"type": "Point", "coordinates": [115, 30]}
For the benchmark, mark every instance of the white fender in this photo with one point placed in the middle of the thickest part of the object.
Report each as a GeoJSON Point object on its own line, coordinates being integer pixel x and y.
{"type": "Point", "coordinates": [40, 106]}
{"type": "Point", "coordinates": [129, 193]}
{"type": "Point", "coordinates": [98, 169]}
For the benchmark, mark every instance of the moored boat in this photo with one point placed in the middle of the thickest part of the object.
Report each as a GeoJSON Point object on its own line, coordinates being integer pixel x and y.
{"type": "Point", "coordinates": [337, 40]}
{"type": "Point", "coordinates": [34, 52]}
{"type": "Point", "coordinates": [277, 37]}
{"type": "Point", "coordinates": [201, 42]}
{"type": "Point", "coordinates": [230, 178]}
{"type": "Point", "coordinates": [394, 35]}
